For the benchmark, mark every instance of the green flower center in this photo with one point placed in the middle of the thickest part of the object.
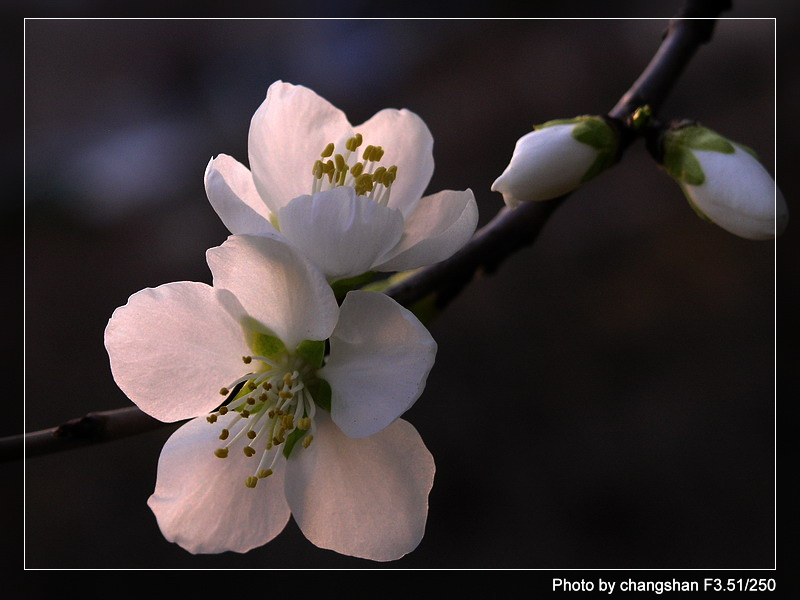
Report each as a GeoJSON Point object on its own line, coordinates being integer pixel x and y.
{"type": "Point", "coordinates": [274, 405]}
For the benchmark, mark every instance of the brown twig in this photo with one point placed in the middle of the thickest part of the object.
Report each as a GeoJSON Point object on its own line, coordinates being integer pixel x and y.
{"type": "Point", "coordinates": [506, 233]}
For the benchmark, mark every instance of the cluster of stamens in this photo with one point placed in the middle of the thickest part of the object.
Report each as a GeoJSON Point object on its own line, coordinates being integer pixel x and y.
{"type": "Point", "coordinates": [270, 406]}
{"type": "Point", "coordinates": [347, 169]}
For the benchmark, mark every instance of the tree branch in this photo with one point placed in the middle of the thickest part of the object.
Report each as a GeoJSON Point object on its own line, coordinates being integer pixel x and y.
{"type": "Point", "coordinates": [506, 233]}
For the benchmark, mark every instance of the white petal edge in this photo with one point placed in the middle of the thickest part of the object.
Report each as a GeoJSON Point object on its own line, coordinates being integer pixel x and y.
{"type": "Point", "coordinates": [287, 134]}
{"type": "Point", "coordinates": [407, 142]}
{"type": "Point", "coordinates": [173, 347]}
{"type": "Point", "coordinates": [339, 232]}
{"type": "Point", "coordinates": [439, 227]}
{"type": "Point", "coordinates": [362, 497]}
{"type": "Point", "coordinates": [276, 286]}
{"type": "Point", "coordinates": [379, 361]}
{"type": "Point", "coordinates": [232, 194]}
{"type": "Point", "coordinates": [201, 502]}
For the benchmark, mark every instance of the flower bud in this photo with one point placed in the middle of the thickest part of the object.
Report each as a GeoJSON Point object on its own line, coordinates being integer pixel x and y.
{"type": "Point", "coordinates": [724, 182]}
{"type": "Point", "coordinates": [557, 157]}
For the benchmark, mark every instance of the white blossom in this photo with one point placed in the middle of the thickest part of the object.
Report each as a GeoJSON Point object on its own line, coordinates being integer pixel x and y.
{"type": "Point", "coordinates": [349, 198]}
{"type": "Point", "coordinates": [306, 434]}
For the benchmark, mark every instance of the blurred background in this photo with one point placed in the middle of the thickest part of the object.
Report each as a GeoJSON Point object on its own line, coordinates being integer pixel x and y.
{"type": "Point", "coordinates": [631, 349]}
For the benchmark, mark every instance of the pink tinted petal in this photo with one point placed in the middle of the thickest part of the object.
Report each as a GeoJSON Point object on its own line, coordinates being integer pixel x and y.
{"type": "Point", "coordinates": [276, 286]}
{"type": "Point", "coordinates": [201, 501]}
{"type": "Point", "coordinates": [407, 142]}
{"type": "Point", "coordinates": [380, 358]}
{"type": "Point", "coordinates": [440, 226]}
{"type": "Point", "coordinates": [232, 193]}
{"type": "Point", "coordinates": [362, 497]}
{"type": "Point", "coordinates": [287, 134]}
{"type": "Point", "coordinates": [339, 232]}
{"type": "Point", "coordinates": [173, 347]}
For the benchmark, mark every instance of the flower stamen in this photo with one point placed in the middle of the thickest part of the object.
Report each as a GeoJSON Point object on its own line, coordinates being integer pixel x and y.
{"type": "Point", "coordinates": [276, 405]}
{"type": "Point", "coordinates": [365, 175]}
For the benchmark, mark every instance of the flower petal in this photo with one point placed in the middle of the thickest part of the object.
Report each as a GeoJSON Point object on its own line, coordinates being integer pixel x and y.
{"type": "Point", "coordinates": [440, 225]}
{"type": "Point", "coordinates": [232, 193]}
{"type": "Point", "coordinates": [201, 501]}
{"type": "Point", "coordinates": [276, 286]}
{"type": "Point", "coordinates": [739, 195]}
{"type": "Point", "coordinates": [173, 347]}
{"type": "Point", "coordinates": [407, 143]}
{"type": "Point", "coordinates": [362, 497]}
{"type": "Point", "coordinates": [380, 358]}
{"type": "Point", "coordinates": [287, 134]}
{"type": "Point", "coordinates": [341, 233]}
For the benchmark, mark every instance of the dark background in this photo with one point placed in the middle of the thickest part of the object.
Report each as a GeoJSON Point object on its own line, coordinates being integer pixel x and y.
{"type": "Point", "coordinates": [605, 400]}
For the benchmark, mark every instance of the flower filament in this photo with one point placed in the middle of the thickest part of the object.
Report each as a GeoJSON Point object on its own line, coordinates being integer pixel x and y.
{"type": "Point", "coordinates": [364, 174]}
{"type": "Point", "coordinates": [274, 410]}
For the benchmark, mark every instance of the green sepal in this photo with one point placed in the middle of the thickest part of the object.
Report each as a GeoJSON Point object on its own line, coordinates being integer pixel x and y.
{"type": "Point", "coordinates": [596, 133]}
{"type": "Point", "coordinates": [701, 138]}
{"type": "Point", "coordinates": [291, 440]}
{"type": "Point", "coordinates": [320, 391]}
{"type": "Point", "coordinates": [340, 287]}
{"type": "Point", "coordinates": [312, 351]}
{"type": "Point", "coordinates": [681, 163]}
{"type": "Point", "coordinates": [679, 159]}
{"type": "Point", "coordinates": [555, 122]}
{"type": "Point", "coordinates": [264, 344]}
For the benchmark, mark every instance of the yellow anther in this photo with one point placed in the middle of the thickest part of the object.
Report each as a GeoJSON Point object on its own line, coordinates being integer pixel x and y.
{"type": "Point", "coordinates": [363, 184]}
{"type": "Point", "coordinates": [251, 434]}
{"type": "Point", "coordinates": [267, 385]}
{"type": "Point", "coordinates": [251, 482]}
{"type": "Point", "coordinates": [379, 174]}
{"type": "Point", "coordinates": [354, 142]}
{"type": "Point", "coordinates": [307, 441]}
{"type": "Point", "coordinates": [224, 434]}
{"type": "Point", "coordinates": [357, 169]}
{"type": "Point", "coordinates": [377, 154]}
{"type": "Point", "coordinates": [391, 175]}
{"type": "Point", "coordinates": [245, 413]}
{"type": "Point", "coordinates": [341, 165]}
{"type": "Point", "coordinates": [287, 421]}
{"type": "Point", "coordinates": [304, 424]}
{"type": "Point", "coordinates": [327, 151]}
{"type": "Point", "coordinates": [224, 391]}
{"type": "Point", "coordinates": [285, 395]}
{"type": "Point", "coordinates": [249, 451]}
{"type": "Point", "coordinates": [329, 169]}
{"type": "Point", "coordinates": [263, 397]}
{"type": "Point", "coordinates": [223, 410]}
{"type": "Point", "coordinates": [247, 359]}
{"type": "Point", "coordinates": [212, 418]}
{"type": "Point", "coordinates": [251, 400]}
{"type": "Point", "coordinates": [263, 473]}
{"type": "Point", "coordinates": [251, 386]}
{"type": "Point", "coordinates": [221, 453]}
{"type": "Point", "coordinates": [287, 378]}
{"type": "Point", "coordinates": [317, 170]}
{"type": "Point", "coordinates": [367, 154]}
